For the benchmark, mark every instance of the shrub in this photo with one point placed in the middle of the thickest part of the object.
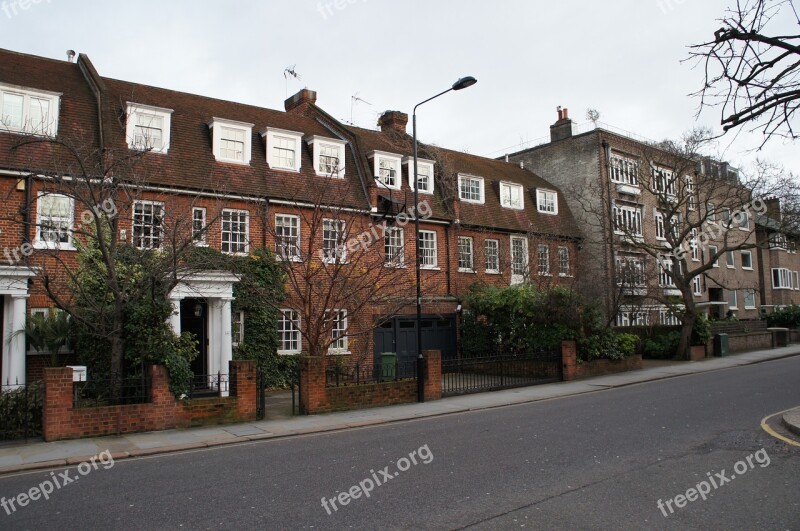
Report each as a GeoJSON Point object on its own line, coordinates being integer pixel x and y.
{"type": "Point", "coordinates": [607, 345]}
{"type": "Point", "coordinates": [788, 317]}
{"type": "Point", "coordinates": [20, 406]}
{"type": "Point", "coordinates": [662, 347]}
{"type": "Point", "coordinates": [701, 332]}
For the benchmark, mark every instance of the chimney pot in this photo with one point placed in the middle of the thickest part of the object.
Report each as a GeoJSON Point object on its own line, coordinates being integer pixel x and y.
{"type": "Point", "coordinates": [566, 114]}
{"type": "Point", "coordinates": [560, 113]}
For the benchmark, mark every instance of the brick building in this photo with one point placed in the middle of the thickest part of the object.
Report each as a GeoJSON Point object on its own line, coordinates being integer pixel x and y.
{"type": "Point", "coordinates": [236, 177]}
{"type": "Point", "coordinates": [639, 201]}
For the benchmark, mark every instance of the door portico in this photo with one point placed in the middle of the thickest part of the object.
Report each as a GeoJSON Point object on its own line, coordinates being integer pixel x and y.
{"type": "Point", "coordinates": [14, 292]}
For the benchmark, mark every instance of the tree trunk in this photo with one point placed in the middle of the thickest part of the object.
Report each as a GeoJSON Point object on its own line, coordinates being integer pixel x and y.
{"type": "Point", "coordinates": [686, 335]}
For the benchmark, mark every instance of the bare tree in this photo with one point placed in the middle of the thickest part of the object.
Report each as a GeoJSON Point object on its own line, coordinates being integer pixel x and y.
{"type": "Point", "coordinates": [752, 67]}
{"type": "Point", "coordinates": [340, 264]}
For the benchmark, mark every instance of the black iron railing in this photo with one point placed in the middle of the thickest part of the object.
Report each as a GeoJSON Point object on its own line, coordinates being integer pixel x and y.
{"type": "Point", "coordinates": [472, 375]}
{"type": "Point", "coordinates": [361, 373]}
{"type": "Point", "coordinates": [21, 411]}
{"type": "Point", "coordinates": [113, 390]}
{"type": "Point", "coordinates": [207, 385]}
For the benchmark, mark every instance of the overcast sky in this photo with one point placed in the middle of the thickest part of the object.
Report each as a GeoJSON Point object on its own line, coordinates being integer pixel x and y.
{"type": "Point", "coordinates": [621, 57]}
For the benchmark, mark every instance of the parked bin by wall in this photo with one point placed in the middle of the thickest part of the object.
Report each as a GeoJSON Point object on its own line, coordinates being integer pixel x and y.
{"type": "Point", "coordinates": [388, 365]}
{"type": "Point", "coordinates": [721, 345]}
{"type": "Point", "coordinates": [780, 337]}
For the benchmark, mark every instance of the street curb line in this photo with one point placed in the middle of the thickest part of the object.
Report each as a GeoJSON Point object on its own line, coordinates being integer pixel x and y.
{"type": "Point", "coordinates": [766, 428]}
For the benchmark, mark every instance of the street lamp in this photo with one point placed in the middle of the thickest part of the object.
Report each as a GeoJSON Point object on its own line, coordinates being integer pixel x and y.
{"type": "Point", "coordinates": [462, 83]}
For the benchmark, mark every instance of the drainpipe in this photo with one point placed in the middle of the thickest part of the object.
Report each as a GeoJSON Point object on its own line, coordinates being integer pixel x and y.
{"type": "Point", "coordinates": [447, 272]}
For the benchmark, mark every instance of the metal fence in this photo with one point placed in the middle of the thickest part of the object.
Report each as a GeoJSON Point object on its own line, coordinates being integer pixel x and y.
{"type": "Point", "coordinates": [492, 373]}
{"type": "Point", "coordinates": [360, 373]}
{"type": "Point", "coordinates": [209, 385]}
{"type": "Point", "coordinates": [262, 380]}
{"type": "Point", "coordinates": [113, 390]}
{"type": "Point", "coordinates": [21, 411]}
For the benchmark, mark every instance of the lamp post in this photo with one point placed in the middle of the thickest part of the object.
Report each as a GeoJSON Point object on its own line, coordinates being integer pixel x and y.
{"type": "Point", "coordinates": [462, 83]}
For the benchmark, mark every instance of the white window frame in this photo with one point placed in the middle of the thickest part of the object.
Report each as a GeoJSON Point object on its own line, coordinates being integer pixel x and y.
{"type": "Point", "coordinates": [712, 250]}
{"type": "Point", "coordinates": [630, 218]}
{"type": "Point", "coordinates": [395, 161]}
{"type": "Point", "coordinates": [661, 226]}
{"type": "Point", "coordinates": [317, 143]}
{"type": "Point", "coordinates": [285, 241]}
{"type": "Point", "coordinates": [237, 328]}
{"type": "Point", "coordinates": [543, 260]}
{"type": "Point", "coordinates": [290, 317]}
{"type": "Point", "coordinates": [546, 204]}
{"type": "Point", "coordinates": [749, 295]}
{"type": "Point", "coordinates": [467, 265]}
{"type": "Point", "coordinates": [428, 166]}
{"type": "Point", "coordinates": [691, 200]}
{"type": "Point", "coordinates": [506, 201]}
{"type": "Point", "coordinates": [730, 260]}
{"type": "Point", "coordinates": [394, 247]}
{"type": "Point", "coordinates": [334, 250]}
{"type": "Point", "coordinates": [227, 223]}
{"type": "Point", "coordinates": [694, 247]}
{"type": "Point", "coordinates": [429, 257]}
{"type": "Point", "coordinates": [735, 299]}
{"type": "Point", "coordinates": [631, 271]}
{"type": "Point", "coordinates": [784, 277]}
{"type": "Point", "coordinates": [522, 268]}
{"type": "Point", "coordinates": [750, 258]}
{"type": "Point", "coordinates": [133, 112]}
{"type": "Point", "coordinates": [66, 224]}
{"type": "Point", "coordinates": [795, 280]}
{"type": "Point", "coordinates": [744, 217]}
{"type": "Point", "coordinates": [199, 234]}
{"type": "Point", "coordinates": [494, 254]}
{"type": "Point", "coordinates": [462, 179]}
{"type": "Point", "coordinates": [272, 136]}
{"type": "Point", "coordinates": [46, 128]}
{"type": "Point", "coordinates": [711, 212]}
{"type": "Point", "coordinates": [338, 325]}
{"type": "Point", "coordinates": [152, 226]}
{"type": "Point", "coordinates": [564, 267]}
{"type": "Point", "coordinates": [220, 128]}
{"type": "Point", "coordinates": [665, 277]}
{"type": "Point", "coordinates": [664, 181]}
{"type": "Point", "coordinates": [697, 285]}
{"type": "Point", "coordinates": [630, 316]}
{"type": "Point", "coordinates": [624, 170]}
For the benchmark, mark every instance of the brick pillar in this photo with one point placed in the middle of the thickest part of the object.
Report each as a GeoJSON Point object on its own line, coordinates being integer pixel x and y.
{"type": "Point", "coordinates": [243, 387]}
{"type": "Point", "coordinates": [312, 385]}
{"type": "Point", "coordinates": [433, 374]}
{"type": "Point", "coordinates": [569, 360]}
{"type": "Point", "coordinates": [57, 408]}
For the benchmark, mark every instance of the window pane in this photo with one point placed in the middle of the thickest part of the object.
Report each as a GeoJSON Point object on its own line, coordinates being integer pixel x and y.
{"type": "Point", "coordinates": [12, 111]}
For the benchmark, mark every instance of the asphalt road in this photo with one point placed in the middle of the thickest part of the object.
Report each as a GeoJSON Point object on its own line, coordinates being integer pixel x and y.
{"type": "Point", "coordinates": [601, 460]}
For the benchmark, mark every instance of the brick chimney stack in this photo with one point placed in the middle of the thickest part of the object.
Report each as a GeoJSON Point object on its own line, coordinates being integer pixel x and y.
{"type": "Point", "coordinates": [304, 97]}
{"type": "Point", "coordinates": [393, 121]}
{"type": "Point", "coordinates": [563, 127]}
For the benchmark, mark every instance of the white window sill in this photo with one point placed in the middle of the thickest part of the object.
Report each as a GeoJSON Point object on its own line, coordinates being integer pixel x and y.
{"type": "Point", "coordinates": [395, 266]}
{"type": "Point", "coordinates": [492, 272]}
{"type": "Point", "coordinates": [473, 201]}
{"type": "Point", "coordinates": [750, 308]}
{"type": "Point", "coordinates": [338, 352]}
{"type": "Point", "coordinates": [730, 267]}
{"type": "Point", "coordinates": [42, 246]}
{"type": "Point", "coordinates": [282, 259]}
{"type": "Point", "coordinates": [512, 207]}
{"type": "Point", "coordinates": [747, 268]}
{"type": "Point", "coordinates": [228, 253]}
{"type": "Point", "coordinates": [233, 161]}
{"type": "Point", "coordinates": [424, 192]}
{"type": "Point", "coordinates": [288, 352]}
{"type": "Point", "coordinates": [465, 270]}
{"type": "Point", "coordinates": [200, 244]}
{"type": "Point", "coordinates": [548, 213]}
{"type": "Point", "coordinates": [564, 275]}
{"type": "Point", "coordinates": [281, 168]}
{"type": "Point", "coordinates": [545, 274]}
{"type": "Point", "coordinates": [336, 176]}
{"type": "Point", "coordinates": [430, 268]}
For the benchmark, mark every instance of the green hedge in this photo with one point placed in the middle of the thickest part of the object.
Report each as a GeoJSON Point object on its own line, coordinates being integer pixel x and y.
{"type": "Point", "coordinates": [20, 406]}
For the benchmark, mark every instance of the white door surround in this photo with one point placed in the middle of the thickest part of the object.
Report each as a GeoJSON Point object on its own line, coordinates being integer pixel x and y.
{"type": "Point", "coordinates": [14, 291]}
{"type": "Point", "coordinates": [216, 287]}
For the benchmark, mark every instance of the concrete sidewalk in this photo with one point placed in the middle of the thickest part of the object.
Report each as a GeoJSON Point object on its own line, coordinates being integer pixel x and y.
{"type": "Point", "coordinates": [19, 456]}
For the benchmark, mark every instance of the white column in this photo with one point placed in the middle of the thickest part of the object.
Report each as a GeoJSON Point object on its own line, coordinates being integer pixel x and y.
{"type": "Point", "coordinates": [226, 344]}
{"type": "Point", "coordinates": [175, 316]}
{"type": "Point", "coordinates": [14, 340]}
{"type": "Point", "coordinates": [214, 320]}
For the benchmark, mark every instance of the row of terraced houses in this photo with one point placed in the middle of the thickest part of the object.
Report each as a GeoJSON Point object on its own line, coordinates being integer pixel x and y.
{"type": "Point", "coordinates": [235, 177]}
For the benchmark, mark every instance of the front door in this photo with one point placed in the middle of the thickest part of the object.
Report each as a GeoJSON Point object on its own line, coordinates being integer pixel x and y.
{"type": "Point", "coordinates": [194, 319]}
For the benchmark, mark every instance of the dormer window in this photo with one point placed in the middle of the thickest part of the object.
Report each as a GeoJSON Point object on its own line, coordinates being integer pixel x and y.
{"type": "Point", "coordinates": [511, 196]}
{"type": "Point", "coordinates": [470, 189]}
{"type": "Point", "coordinates": [28, 111]}
{"type": "Point", "coordinates": [328, 156]}
{"type": "Point", "coordinates": [424, 174]}
{"type": "Point", "coordinates": [148, 128]}
{"type": "Point", "coordinates": [231, 140]}
{"type": "Point", "coordinates": [283, 149]}
{"type": "Point", "coordinates": [546, 201]}
{"type": "Point", "coordinates": [386, 168]}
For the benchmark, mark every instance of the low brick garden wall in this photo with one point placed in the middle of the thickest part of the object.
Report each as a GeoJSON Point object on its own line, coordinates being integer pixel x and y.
{"type": "Point", "coordinates": [751, 341]}
{"type": "Point", "coordinates": [62, 420]}
{"type": "Point", "coordinates": [573, 369]}
{"type": "Point", "coordinates": [316, 397]}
